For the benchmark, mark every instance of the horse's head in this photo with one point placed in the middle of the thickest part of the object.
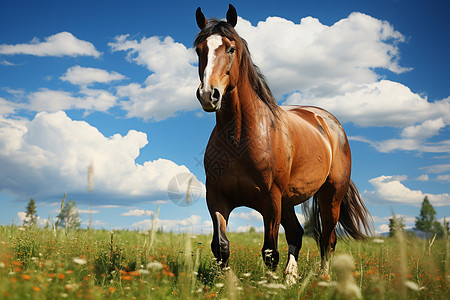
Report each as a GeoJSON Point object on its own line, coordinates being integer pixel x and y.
{"type": "Point", "coordinates": [217, 49]}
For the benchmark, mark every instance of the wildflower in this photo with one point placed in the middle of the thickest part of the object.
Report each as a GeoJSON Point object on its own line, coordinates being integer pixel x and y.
{"type": "Point", "coordinates": [36, 288]}
{"type": "Point", "coordinates": [275, 286]}
{"type": "Point", "coordinates": [133, 273]}
{"type": "Point", "coordinates": [25, 277]}
{"type": "Point", "coordinates": [412, 286]}
{"type": "Point", "coordinates": [127, 277]}
{"type": "Point", "coordinates": [79, 261]}
{"type": "Point", "coordinates": [112, 289]}
{"type": "Point", "coordinates": [346, 288]}
{"type": "Point", "coordinates": [154, 265]}
{"type": "Point", "coordinates": [378, 241]}
{"type": "Point", "coordinates": [220, 285]}
{"type": "Point", "coordinates": [61, 276]}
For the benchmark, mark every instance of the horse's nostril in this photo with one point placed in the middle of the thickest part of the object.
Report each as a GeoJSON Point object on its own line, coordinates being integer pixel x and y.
{"type": "Point", "coordinates": [215, 95]}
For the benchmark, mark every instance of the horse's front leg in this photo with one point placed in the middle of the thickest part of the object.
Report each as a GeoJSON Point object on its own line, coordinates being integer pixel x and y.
{"type": "Point", "coordinates": [272, 215]}
{"type": "Point", "coordinates": [220, 245]}
{"type": "Point", "coordinates": [294, 233]}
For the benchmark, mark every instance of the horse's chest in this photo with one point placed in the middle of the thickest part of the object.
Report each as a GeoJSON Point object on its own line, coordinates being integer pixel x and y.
{"type": "Point", "coordinates": [237, 171]}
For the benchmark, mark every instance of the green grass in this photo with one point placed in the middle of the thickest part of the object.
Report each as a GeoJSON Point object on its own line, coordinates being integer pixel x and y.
{"type": "Point", "coordinates": [38, 263]}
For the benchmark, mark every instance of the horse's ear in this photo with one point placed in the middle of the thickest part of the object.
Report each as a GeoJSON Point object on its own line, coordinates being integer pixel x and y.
{"type": "Point", "coordinates": [232, 15]}
{"type": "Point", "coordinates": [200, 17]}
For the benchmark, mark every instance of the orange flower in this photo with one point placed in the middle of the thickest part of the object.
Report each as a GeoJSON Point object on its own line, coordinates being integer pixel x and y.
{"type": "Point", "coordinates": [25, 277]}
{"type": "Point", "coordinates": [36, 288]}
{"type": "Point", "coordinates": [127, 277]}
{"type": "Point", "coordinates": [133, 273]}
{"type": "Point", "coordinates": [212, 295]}
{"type": "Point", "coordinates": [61, 276]}
{"type": "Point", "coordinates": [112, 289]}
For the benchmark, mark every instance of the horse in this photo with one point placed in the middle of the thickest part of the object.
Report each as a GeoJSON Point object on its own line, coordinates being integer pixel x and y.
{"type": "Point", "coordinates": [269, 157]}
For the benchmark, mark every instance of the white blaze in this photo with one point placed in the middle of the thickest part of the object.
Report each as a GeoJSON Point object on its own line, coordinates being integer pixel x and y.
{"type": "Point", "coordinates": [213, 42]}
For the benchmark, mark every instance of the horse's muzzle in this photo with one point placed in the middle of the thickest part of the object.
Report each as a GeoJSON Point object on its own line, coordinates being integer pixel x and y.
{"type": "Point", "coordinates": [210, 99]}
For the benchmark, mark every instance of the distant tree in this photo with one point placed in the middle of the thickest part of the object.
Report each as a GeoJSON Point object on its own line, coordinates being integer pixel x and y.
{"type": "Point", "coordinates": [426, 221]}
{"type": "Point", "coordinates": [31, 214]}
{"type": "Point", "coordinates": [446, 228]}
{"type": "Point", "coordinates": [69, 216]}
{"type": "Point", "coordinates": [396, 223]}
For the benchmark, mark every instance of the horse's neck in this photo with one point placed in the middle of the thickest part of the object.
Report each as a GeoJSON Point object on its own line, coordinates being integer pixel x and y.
{"type": "Point", "coordinates": [240, 115]}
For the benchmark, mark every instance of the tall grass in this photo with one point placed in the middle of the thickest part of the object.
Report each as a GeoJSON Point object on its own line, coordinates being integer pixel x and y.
{"type": "Point", "coordinates": [38, 263]}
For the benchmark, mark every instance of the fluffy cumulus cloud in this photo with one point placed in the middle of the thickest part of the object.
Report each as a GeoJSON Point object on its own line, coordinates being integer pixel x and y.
{"type": "Point", "coordinates": [86, 76]}
{"type": "Point", "coordinates": [391, 189]}
{"type": "Point", "coordinates": [60, 44]}
{"type": "Point", "coordinates": [193, 222]}
{"type": "Point", "coordinates": [51, 154]}
{"type": "Point", "coordinates": [380, 103]}
{"type": "Point", "coordinates": [323, 60]}
{"type": "Point", "coordinates": [56, 100]}
{"type": "Point", "coordinates": [172, 84]}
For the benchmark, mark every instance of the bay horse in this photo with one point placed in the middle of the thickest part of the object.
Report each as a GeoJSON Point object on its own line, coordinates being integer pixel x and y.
{"type": "Point", "coordinates": [270, 157]}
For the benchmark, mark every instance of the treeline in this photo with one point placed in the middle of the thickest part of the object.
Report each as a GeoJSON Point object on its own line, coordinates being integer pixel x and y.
{"type": "Point", "coordinates": [426, 223]}
{"type": "Point", "coordinates": [67, 218]}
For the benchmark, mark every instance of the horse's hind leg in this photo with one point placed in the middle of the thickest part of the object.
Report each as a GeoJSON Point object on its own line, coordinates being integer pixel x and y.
{"type": "Point", "coordinates": [330, 198]}
{"type": "Point", "coordinates": [294, 234]}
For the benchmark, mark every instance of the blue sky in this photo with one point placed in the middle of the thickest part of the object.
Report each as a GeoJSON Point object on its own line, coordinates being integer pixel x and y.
{"type": "Point", "coordinates": [111, 84]}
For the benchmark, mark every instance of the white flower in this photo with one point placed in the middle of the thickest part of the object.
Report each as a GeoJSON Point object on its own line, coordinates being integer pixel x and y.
{"type": "Point", "coordinates": [412, 285]}
{"type": "Point", "coordinates": [79, 261]}
{"type": "Point", "coordinates": [154, 265]}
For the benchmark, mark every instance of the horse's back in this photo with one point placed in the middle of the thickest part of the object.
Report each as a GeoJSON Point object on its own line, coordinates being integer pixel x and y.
{"type": "Point", "coordinates": [322, 120]}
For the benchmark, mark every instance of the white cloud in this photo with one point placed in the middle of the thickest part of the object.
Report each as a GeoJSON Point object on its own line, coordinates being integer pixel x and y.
{"type": "Point", "coordinates": [423, 177]}
{"type": "Point", "coordinates": [246, 228]}
{"type": "Point", "coordinates": [138, 213]}
{"type": "Point", "coordinates": [391, 189]}
{"type": "Point", "coordinates": [170, 88]}
{"type": "Point", "coordinates": [443, 178]}
{"type": "Point", "coordinates": [50, 155]}
{"type": "Point", "coordinates": [87, 211]}
{"type": "Point", "coordinates": [60, 44]}
{"type": "Point", "coordinates": [323, 60]}
{"type": "Point", "coordinates": [22, 216]}
{"type": "Point", "coordinates": [383, 228]}
{"type": "Point", "coordinates": [252, 215]}
{"type": "Point", "coordinates": [437, 169]}
{"type": "Point", "coordinates": [192, 222]}
{"type": "Point", "coordinates": [382, 103]}
{"type": "Point", "coordinates": [6, 107]}
{"type": "Point", "coordinates": [6, 63]}
{"type": "Point", "coordinates": [86, 76]}
{"type": "Point", "coordinates": [425, 130]}
{"type": "Point", "coordinates": [52, 101]}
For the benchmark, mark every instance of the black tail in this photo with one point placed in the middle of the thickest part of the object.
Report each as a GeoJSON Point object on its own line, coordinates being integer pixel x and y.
{"type": "Point", "coordinates": [354, 218]}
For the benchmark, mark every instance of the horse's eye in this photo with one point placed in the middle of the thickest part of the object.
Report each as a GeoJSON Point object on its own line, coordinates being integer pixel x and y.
{"type": "Point", "coordinates": [232, 49]}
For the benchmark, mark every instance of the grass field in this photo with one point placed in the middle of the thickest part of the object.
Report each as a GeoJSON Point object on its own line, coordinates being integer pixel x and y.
{"type": "Point", "coordinates": [38, 263]}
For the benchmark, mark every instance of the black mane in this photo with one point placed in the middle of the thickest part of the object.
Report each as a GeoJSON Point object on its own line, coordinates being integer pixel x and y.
{"type": "Point", "coordinates": [256, 78]}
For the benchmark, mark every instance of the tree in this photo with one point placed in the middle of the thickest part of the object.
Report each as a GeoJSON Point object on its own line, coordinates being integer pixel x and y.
{"type": "Point", "coordinates": [69, 216]}
{"type": "Point", "coordinates": [31, 214]}
{"type": "Point", "coordinates": [395, 224]}
{"type": "Point", "coordinates": [426, 222]}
